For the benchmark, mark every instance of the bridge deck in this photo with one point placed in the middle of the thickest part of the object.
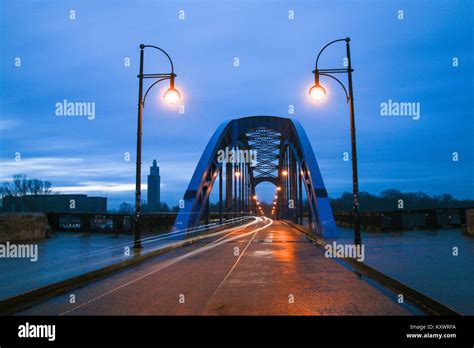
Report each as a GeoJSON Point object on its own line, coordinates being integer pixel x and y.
{"type": "Point", "coordinates": [275, 264]}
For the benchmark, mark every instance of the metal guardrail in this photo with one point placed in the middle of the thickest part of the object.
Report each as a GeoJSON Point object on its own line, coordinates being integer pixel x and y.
{"type": "Point", "coordinates": [404, 219]}
{"type": "Point", "coordinates": [119, 223]}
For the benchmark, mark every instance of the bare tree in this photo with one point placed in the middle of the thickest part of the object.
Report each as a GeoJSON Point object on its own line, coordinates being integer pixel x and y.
{"type": "Point", "coordinates": [22, 186]}
{"type": "Point", "coordinates": [125, 208]}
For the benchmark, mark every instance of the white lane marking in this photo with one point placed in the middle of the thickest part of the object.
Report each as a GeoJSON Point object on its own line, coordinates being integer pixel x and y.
{"type": "Point", "coordinates": [235, 264]}
{"type": "Point", "coordinates": [169, 263]}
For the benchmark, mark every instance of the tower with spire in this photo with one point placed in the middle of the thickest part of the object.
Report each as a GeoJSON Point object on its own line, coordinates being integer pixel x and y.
{"type": "Point", "coordinates": [153, 192]}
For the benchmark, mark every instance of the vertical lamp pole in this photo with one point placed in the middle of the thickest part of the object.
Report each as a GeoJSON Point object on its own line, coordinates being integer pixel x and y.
{"type": "Point", "coordinates": [138, 173]}
{"type": "Point", "coordinates": [171, 95]}
{"type": "Point", "coordinates": [355, 179]}
{"type": "Point", "coordinates": [317, 92]}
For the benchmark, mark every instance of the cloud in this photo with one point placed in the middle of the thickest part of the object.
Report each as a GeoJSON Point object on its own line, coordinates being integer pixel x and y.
{"type": "Point", "coordinates": [8, 124]}
{"type": "Point", "coordinates": [65, 171]}
{"type": "Point", "coordinates": [99, 174]}
{"type": "Point", "coordinates": [98, 187]}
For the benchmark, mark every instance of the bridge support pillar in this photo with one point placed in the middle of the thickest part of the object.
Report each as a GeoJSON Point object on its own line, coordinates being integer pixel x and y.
{"type": "Point", "coordinates": [234, 197]}
{"type": "Point", "coordinates": [228, 189]}
{"type": "Point", "coordinates": [206, 211]}
{"type": "Point", "coordinates": [220, 194]}
{"type": "Point", "coordinates": [300, 197]}
{"type": "Point", "coordinates": [310, 216]}
{"type": "Point", "coordinates": [294, 187]}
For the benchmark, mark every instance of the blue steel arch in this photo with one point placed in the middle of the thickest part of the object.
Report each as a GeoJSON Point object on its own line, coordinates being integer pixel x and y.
{"type": "Point", "coordinates": [234, 132]}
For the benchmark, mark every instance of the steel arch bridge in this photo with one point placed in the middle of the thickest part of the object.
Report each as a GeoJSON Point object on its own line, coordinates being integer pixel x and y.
{"type": "Point", "coordinates": [245, 152]}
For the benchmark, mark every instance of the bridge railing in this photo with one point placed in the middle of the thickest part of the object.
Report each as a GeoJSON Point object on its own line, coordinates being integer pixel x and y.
{"type": "Point", "coordinates": [122, 223]}
{"type": "Point", "coordinates": [404, 219]}
{"type": "Point", "coordinates": [109, 222]}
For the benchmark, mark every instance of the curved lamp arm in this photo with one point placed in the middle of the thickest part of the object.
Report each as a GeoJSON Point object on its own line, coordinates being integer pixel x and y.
{"type": "Point", "coordinates": [148, 90]}
{"type": "Point", "coordinates": [329, 44]}
{"type": "Point", "coordinates": [142, 46]}
{"type": "Point", "coordinates": [167, 76]}
{"type": "Point", "coordinates": [327, 72]}
{"type": "Point", "coordinates": [342, 85]}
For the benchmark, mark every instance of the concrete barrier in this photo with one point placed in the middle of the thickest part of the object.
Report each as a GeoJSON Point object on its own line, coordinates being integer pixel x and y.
{"type": "Point", "coordinates": [470, 222]}
{"type": "Point", "coordinates": [15, 227]}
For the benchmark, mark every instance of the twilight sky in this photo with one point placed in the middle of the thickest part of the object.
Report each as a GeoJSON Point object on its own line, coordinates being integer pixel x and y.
{"type": "Point", "coordinates": [84, 60]}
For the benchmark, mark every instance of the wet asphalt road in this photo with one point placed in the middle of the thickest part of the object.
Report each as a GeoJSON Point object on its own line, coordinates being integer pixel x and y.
{"type": "Point", "coordinates": [267, 268]}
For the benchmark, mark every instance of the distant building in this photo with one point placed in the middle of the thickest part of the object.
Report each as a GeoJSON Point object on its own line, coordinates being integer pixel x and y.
{"type": "Point", "coordinates": [153, 191]}
{"type": "Point", "coordinates": [55, 203]}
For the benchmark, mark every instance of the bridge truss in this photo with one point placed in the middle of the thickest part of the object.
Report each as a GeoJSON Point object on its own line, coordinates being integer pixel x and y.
{"type": "Point", "coordinates": [280, 145]}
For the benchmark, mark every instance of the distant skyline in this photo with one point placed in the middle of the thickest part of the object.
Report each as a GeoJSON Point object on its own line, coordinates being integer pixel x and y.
{"type": "Point", "coordinates": [48, 57]}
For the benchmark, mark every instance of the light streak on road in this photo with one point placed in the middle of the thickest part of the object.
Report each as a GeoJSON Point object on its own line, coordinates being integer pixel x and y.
{"type": "Point", "coordinates": [221, 241]}
{"type": "Point", "coordinates": [119, 247]}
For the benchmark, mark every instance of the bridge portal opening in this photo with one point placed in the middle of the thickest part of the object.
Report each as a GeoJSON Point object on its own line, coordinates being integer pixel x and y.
{"type": "Point", "coordinates": [266, 193]}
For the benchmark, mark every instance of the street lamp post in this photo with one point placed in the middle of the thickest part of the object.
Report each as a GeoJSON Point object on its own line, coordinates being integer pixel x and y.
{"type": "Point", "coordinates": [318, 92]}
{"type": "Point", "coordinates": [171, 95]}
